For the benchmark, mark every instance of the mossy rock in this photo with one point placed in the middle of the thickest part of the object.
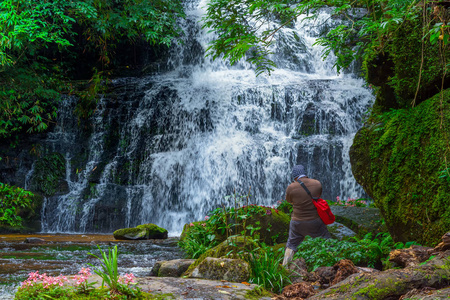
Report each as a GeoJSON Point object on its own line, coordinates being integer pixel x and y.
{"type": "Point", "coordinates": [233, 270]}
{"type": "Point", "coordinates": [173, 268]}
{"type": "Point", "coordinates": [49, 173]}
{"type": "Point", "coordinates": [361, 220]}
{"type": "Point", "coordinates": [154, 231]}
{"type": "Point", "coordinates": [399, 158]}
{"type": "Point", "coordinates": [141, 232]}
{"type": "Point", "coordinates": [228, 248]}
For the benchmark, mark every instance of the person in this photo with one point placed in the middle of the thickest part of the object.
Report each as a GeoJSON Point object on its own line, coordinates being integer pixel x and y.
{"type": "Point", "coordinates": [304, 218]}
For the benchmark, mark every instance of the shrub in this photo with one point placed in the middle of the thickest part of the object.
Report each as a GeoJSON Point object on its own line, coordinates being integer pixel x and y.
{"type": "Point", "coordinates": [13, 198]}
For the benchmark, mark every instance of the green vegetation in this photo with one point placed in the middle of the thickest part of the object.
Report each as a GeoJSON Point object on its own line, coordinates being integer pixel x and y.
{"type": "Point", "coordinates": [13, 200]}
{"type": "Point", "coordinates": [368, 251]}
{"type": "Point", "coordinates": [402, 161]}
{"type": "Point", "coordinates": [42, 45]}
{"type": "Point", "coordinates": [42, 286]}
{"type": "Point", "coordinates": [267, 271]}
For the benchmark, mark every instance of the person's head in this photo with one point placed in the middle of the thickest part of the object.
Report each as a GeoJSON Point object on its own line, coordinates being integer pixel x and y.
{"type": "Point", "coordinates": [298, 171]}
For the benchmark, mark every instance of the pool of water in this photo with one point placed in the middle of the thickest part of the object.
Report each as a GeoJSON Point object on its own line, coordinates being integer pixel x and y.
{"type": "Point", "coordinates": [66, 254]}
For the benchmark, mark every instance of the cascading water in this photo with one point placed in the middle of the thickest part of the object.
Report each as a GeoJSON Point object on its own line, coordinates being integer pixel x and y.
{"type": "Point", "coordinates": [167, 148]}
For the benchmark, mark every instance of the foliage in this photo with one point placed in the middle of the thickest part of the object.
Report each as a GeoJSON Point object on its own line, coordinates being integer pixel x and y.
{"type": "Point", "coordinates": [12, 200]}
{"type": "Point", "coordinates": [246, 29]}
{"type": "Point", "coordinates": [265, 263]}
{"type": "Point", "coordinates": [402, 156]}
{"type": "Point", "coordinates": [43, 286]}
{"type": "Point", "coordinates": [256, 221]}
{"type": "Point", "coordinates": [368, 251]}
{"type": "Point", "coordinates": [41, 43]}
{"type": "Point", "coordinates": [285, 207]}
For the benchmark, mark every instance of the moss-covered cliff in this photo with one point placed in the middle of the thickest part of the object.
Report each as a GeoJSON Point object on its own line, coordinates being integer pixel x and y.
{"type": "Point", "coordinates": [400, 158]}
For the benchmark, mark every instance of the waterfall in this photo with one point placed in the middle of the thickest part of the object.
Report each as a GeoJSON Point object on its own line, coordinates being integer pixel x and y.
{"type": "Point", "coordinates": [168, 147]}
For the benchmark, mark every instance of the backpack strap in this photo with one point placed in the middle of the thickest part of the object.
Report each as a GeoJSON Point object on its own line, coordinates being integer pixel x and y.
{"type": "Point", "coordinates": [306, 189]}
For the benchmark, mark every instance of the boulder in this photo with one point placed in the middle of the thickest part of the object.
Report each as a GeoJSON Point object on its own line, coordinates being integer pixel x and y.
{"type": "Point", "coordinates": [174, 268]}
{"type": "Point", "coordinates": [228, 248]}
{"type": "Point", "coordinates": [34, 240]}
{"type": "Point", "coordinates": [399, 157]}
{"type": "Point", "coordinates": [360, 220]}
{"type": "Point", "coordinates": [141, 232]}
{"type": "Point", "coordinates": [156, 267]}
{"type": "Point", "coordinates": [130, 234]}
{"type": "Point", "coordinates": [233, 270]}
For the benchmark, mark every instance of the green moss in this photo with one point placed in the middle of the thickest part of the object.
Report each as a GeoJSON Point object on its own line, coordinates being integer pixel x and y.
{"type": "Point", "coordinates": [228, 248]}
{"type": "Point", "coordinates": [154, 231]}
{"type": "Point", "coordinates": [396, 70]}
{"type": "Point", "coordinates": [48, 172]}
{"type": "Point", "coordinates": [399, 158]}
{"type": "Point", "coordinates": [140, 232]}
{"type": "Point", "coordinates": [257, 293]}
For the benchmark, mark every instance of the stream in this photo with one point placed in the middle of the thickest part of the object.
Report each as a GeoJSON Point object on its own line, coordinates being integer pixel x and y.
{"type": "Point", "coordinates": [66, 254]}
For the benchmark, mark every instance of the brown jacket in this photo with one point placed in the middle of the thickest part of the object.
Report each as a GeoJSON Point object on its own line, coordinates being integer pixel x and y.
{"type": "Point", "coordinates": [303, 208]}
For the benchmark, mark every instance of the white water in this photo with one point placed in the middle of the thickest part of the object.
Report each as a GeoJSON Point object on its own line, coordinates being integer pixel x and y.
{"type": "Point", "coordinates": [187, 137]}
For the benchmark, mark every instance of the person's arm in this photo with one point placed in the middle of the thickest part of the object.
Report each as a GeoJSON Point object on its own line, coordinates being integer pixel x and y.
{"type": "Point", "coordinates": [288, 196]}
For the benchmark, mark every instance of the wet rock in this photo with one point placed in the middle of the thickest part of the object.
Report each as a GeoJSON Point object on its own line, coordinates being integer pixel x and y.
{"type": "Point", "coordinates": [298, 290]}
{"type": "Point", "coordinates": [339, 231]}
{"type": "Point", "coordinates": [34, 240]}
{"type": "Point", "coordinates": [141, 232]}
{"type": "Point", "coordinates": [156, 267]}
{"type": "Point", "coordinates": [412, 256]}
{"type": "Point", "coordinates": [130, 234]}
{"type": "Point", "coordinates": [361, 220]}
{"type": "Point", "coordinates": [344, 268]}
{"type": "Point", "coordinates": [234, 270]}
{"type": "Point", "coordinates": [174, 268]}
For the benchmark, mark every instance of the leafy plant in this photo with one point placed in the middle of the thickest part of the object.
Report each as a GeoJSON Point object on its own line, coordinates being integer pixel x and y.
{"type": "Point", "coordinates": [12, 200]}
{"type": "Point", "coordinates": [267, 271]}
{"type": "Point", "coordinates": [368, 251]}
{"type": "Point", "coordinates": [108, 272]}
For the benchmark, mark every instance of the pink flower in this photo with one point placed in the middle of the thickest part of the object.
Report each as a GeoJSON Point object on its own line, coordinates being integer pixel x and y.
{"type": "Point", "coordinates": [268, 212]}
{"type": "Point", "coordinates": [279, 201]}
{"type": "Point", "coordinates": [203, 224]}
{"type": "Point", "coordinates": [126, 279]}
{"type": "Point", "coordinates": [191, 224]}
{"type": "Point", "coordinates": [206, 218]}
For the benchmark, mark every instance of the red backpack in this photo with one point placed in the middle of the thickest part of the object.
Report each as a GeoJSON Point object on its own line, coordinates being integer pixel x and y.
{"type": "Point", "coordinates": [323, 209]}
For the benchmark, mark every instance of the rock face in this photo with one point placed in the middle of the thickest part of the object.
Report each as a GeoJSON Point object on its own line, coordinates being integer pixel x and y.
{"type": "Point", "coordinates": [141, 232]}
{"type": "Point", "coordinates": [399, 158]}
{"type": "Point", "coordinates": [234, 270]}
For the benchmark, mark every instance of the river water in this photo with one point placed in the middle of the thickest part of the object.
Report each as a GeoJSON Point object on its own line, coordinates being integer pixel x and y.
{"type": "Point", "coordinates": [66, 254]}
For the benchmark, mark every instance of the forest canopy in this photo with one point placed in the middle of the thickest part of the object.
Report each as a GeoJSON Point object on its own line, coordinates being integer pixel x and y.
{"type": "Point", "coordinates": [41, 41]}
